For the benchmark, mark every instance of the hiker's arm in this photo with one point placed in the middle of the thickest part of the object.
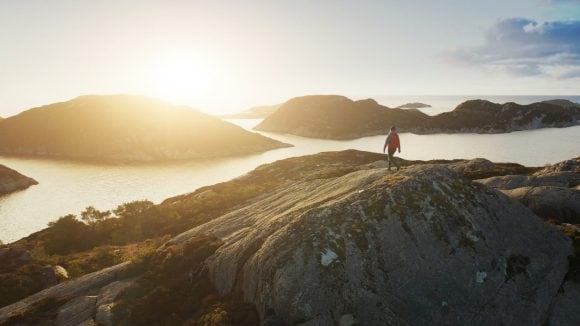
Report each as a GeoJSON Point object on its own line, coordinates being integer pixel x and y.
{"type": "Point", "coordinates": [386, 143]}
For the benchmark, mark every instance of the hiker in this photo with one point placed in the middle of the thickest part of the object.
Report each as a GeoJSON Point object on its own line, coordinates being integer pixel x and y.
{"type": "Point", "coordinates": [394, 144]}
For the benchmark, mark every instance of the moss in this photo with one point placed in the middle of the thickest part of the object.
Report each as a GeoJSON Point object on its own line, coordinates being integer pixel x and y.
{"type": "Point", "coordinates": [465, 242]}
{"type": "Point", "coordinates": [516, 264]}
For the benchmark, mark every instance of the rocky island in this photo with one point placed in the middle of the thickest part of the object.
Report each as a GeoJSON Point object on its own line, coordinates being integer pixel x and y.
{"type": "Point", "coordinates": [11, 180]}
{"type": "Point", "coordinates": [256, 112]}
{"type": "Point", "coordinates": [413, 105]}
{"type": "Point", "coordinates": [326, 239]}
{"type": "Point", "coordinates": [125, 128]}
{"type": "Point", "coordinates": [338, 117]}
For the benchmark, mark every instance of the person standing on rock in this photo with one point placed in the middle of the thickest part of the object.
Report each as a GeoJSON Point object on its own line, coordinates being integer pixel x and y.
{"type": "Point", "coordinates": [393, 143]}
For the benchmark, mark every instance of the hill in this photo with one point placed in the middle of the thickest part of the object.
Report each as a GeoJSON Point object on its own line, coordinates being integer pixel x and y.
{"type": "Point", "coordinates": [328, 239]}
{"type": "Point", "coordinates": [11, 180]}
{"type": "Point", "coordinates": [256, 112]}
{"type": "Point", "coordinates": [125, 128]}
{"type": "Point", "coordinates": [337, 117]}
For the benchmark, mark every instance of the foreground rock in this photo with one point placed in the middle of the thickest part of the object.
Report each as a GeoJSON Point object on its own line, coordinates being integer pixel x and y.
{"type": "Point", "coordinates": [416, 247]}
{"type": "Point", "coordinates": [337, 117]}
{"type": "Point", "coordinates": [552, 192]}
{"type": "Point", "coordinates": [11, 180]}
{"type": "Point", "coordinates": [335, 238]}
{"type": "Point", "coordinates": [125, 128]}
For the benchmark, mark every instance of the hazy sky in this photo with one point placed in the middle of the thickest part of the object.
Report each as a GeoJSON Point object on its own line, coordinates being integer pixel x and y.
{"type": "Point", "coordinates": [223, 56]}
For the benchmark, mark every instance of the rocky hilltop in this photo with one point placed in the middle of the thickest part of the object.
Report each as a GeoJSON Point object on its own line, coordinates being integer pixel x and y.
{"type": "Point", "coordinates": [256, 112]}
{"type": "Point", "coordinates": [11, 180]}
{"type": "Point", "coordinates": [337, 117]}
{"type": "Point", "coordinates": [335, 238]}
{"type": "Point", "coordinates": [125, 128]}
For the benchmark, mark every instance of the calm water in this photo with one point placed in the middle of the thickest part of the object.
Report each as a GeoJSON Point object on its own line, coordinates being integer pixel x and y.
{"type": "Point", "coordinates": [68, 187]}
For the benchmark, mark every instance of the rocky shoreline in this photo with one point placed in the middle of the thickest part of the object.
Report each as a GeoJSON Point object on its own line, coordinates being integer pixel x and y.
{"type": "Point", "coordinates": [11, 180]}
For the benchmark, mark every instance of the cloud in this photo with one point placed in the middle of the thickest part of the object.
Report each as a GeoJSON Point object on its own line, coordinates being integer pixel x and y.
{"type": "Point", "coordinates": [525, 47]}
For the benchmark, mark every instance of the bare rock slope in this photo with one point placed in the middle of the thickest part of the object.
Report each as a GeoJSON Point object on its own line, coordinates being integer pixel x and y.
{"type": "Point", "coordinates": [419, 246]}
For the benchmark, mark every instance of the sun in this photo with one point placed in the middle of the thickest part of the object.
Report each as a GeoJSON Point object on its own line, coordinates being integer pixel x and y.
{"type": "Point", "coordinates": [180, 79]}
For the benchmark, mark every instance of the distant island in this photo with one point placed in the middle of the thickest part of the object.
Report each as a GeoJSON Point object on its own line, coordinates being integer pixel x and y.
{"type": "Point", "coordinates": [256, 112]}
{"type": "Point", "coordinates": [413, 105]}
{"type": "Point", "coordinates": [125, 128]}
{"type": "Point", "coordinates": [335, 232]}
{"type": "Point", "coordinates": [338, 117]}
{"type": "Point", "coordinates": [11, 180]}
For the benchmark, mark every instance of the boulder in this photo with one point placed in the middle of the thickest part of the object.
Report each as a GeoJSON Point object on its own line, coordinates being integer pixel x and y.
{"type": "Point", "coordinates": [554, 203]}
{"type": "Point", "coordinates": [420, 246]}
{"type": "Point", "coordinates": [476, 164]}
{"type": "Point", "coordinates": [52, 275]}
{"type": "Point", "coordinates": [571, 165]}
{"type": "Point", "coordinates": [76, 311]}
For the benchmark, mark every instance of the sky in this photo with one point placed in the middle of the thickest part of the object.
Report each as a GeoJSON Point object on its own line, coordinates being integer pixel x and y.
{"type": "Point", "coordinates": [225, 56]}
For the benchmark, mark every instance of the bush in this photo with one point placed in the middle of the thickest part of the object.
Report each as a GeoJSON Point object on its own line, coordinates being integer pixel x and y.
{"type": "Point", "coordinates": [66, 235]}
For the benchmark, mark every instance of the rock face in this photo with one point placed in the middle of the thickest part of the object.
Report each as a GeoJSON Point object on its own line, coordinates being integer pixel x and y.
{"type": "Point", "coordinates": [125, 128]}
{"type": "Point", "coordinates": [11, 180]}
{"type": "Point", "coordinates": [337, 117]}
{"type": "Point", "coordinates": [419, 246]}
{"type": "Point", "coordinates": [551, 193]}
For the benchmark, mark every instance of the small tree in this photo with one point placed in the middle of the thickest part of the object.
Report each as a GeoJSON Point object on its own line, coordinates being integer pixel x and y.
{"type": "Point", "coordinates": [65, 235]}
{"type": "Point", "coordinates": [133, 210]}
{"type": "Point", "coordinates": [92, 216]}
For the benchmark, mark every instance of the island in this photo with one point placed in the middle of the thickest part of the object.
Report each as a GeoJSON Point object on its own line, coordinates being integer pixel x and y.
{"type": "Point", "coordinates": [326, 239]}
{"type": "Point", "coordinates": [11, 180]}
{"type": "Point", "coordinates": [338, 117]}
{"type": "Point", "coordinates": [256, 112]}
{"type": "Point", "coordinates": [125, 128]}
{"type": "Point", "coordinates": [413, 105]}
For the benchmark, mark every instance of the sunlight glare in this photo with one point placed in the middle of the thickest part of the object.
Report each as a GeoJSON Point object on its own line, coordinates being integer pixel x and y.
{"type": "Point", "coordinates": [180, 79]}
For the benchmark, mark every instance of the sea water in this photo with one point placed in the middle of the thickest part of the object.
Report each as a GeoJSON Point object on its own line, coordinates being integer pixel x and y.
{"type": "Point", "coordinates": [68, 187]}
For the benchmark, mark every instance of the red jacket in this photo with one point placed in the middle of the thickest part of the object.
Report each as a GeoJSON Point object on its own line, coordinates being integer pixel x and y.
{"type": "Point", "coordinates": [393, 141]}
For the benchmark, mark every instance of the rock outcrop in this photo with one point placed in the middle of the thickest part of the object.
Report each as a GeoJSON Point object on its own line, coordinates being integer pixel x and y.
{"type": "Point", "coordinates": [335, 238]}
{"type": "Point", "coordinates": [419, 246]}
{"type": "Point", "coordinates": [11, 180]}
{"type": "Point", "coordinates": [125, 128]}
{"type": "Point", "coordinates": [552, 192]}
{"type": "Point", "coordinates": [337, 117]}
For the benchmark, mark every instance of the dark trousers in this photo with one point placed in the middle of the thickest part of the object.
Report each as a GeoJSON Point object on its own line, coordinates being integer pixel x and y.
{"type": "Point", "coordinates": [392, 158]}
